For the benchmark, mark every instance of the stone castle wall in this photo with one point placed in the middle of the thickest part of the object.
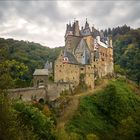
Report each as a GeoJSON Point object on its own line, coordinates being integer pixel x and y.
{"type": "Point", "coordinates": [66, 72]}
{"type": "Point", "coordinates": [105, 62]}
{"type": "Point", "coordinates": [27, 94]}
{"type": "Point", "coordinates": [51, 92]}
{"type": "Point", "coordinates": [89, 76]}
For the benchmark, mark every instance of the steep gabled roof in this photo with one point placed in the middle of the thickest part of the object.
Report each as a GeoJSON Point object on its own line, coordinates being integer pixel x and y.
{"type": "Point", "coordinates": [71, 57]}
{"type": "Point", "coordinates": [82, 45]}
{"type": "Point", "coordinates": [74, 42]}
{"type": "Point", "coordinates": [95, 33]}
{"type": "Point", "coordinates": [48, 65]}
{"type": "Point", "coordinates": [41, 72]}
{"type": "Point", "coordinates": [83, 49]}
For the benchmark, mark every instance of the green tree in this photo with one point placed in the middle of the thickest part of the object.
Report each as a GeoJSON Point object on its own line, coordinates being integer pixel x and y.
{"type": "Point", "coordinates": [12, 74]}
{"type": "Point", "coordinates": [119, 70]}
{"type": "Point", "coordinates": [10, 128]}
{"type": "Point", "coordinates": [35, 120]}
{"type": "Point", "coordinates": [127, 129]}
{"type": "Point", "coordinates": [92, 137]}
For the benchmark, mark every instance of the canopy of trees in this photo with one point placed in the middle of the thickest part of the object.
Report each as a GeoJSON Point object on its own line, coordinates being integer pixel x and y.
{"type": "Point", "coordinates": [127, 54]}
{"type": "Point", "coordinates": [22, 58]}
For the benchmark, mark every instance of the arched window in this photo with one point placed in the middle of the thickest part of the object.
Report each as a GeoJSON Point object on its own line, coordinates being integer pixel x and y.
{"type": "Point", "coordinates": [41, 83]}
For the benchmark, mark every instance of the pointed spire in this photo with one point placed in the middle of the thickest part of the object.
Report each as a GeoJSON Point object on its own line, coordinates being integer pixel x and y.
{"type": "Point", "coordinates": [93, 29]}
{"type": "Point", "coordinates": [86, 24]}
{"type": "Point", "coordinates": [69, 22]}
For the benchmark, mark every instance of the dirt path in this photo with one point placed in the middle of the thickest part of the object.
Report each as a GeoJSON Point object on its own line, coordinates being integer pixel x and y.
{"type": "Point", "coordinates": [74, 103]}
{"type": "Point", "coordinates": [68, 112]}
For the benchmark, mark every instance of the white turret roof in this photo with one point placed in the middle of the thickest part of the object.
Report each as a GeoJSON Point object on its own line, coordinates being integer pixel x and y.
{"type": "Point", "coordinates": [101, 43]}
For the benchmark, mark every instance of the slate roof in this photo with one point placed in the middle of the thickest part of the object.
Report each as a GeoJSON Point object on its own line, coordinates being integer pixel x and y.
{"type": "Point", "coordinates": [82, 45]}
{"type": "Point", "coordinates": [95, 33]}
{"type": "Point", "coordinates": [71, 57]}
{"type": "Point", "coordinates": [48, 65]}
{"type": "Point", "coordinates": [74, 42]}
{"type": "Point", "coordinates": [41, 72]}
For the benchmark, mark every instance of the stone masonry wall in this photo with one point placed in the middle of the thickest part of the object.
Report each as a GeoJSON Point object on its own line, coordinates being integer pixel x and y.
{"type": "Point", "coordinates": [51, 92]}
{"type": "Point", "coordinates": [27, 94]}
{"type": "Point", "coordinates": [89, 76]}
{"type": "Point", "coordinates": [66, 72]}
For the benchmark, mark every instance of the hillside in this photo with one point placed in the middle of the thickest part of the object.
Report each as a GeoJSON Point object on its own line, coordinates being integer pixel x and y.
{"type": "Point", "coordinates": [112, 113]}
{"type": "Point", "coordinates": [31, 55]}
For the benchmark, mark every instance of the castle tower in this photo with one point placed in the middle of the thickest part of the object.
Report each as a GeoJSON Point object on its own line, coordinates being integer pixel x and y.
{"type": "Point", "coordinates": [110, 55]}
{"type": "Point", "coordinates": [110, 42]}
{"type": "Point", "coordinates": [76, 30]}
{"type": "Point", "coordinates": [72, 36]}
{"type": "Point", "coordinates": [69, 30]}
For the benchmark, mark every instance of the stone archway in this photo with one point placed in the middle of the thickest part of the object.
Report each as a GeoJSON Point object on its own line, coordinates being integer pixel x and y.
{"type": "Point", "coordinates": [41, 101]}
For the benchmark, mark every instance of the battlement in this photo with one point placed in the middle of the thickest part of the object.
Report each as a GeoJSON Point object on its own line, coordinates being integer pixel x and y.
{"type": "Point", "coordinates": [74, 30]}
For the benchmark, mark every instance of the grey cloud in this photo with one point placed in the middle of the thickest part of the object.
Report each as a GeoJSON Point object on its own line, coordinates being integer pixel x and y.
{"type": "Point", "coordinates": [4, 10]}
{"type": "Point", "coordinates": [32, 11]}
{"type": "Point", "coordinates": [52, 17]}
{"type": "Point", "coordinates": [37, 10]}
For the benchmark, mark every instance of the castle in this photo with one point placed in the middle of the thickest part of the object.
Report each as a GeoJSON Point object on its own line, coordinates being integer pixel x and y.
{"type": "Point", "coordinates": [87, 55]}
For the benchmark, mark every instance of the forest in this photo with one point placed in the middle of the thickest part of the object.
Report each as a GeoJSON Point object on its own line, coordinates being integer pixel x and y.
{"type": "Point", "coordinates": [19, 59]}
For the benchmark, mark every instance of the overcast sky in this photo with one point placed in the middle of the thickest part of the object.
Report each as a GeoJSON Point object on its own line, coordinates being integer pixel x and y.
{"type": "Point", "coordinates": [44, 22]}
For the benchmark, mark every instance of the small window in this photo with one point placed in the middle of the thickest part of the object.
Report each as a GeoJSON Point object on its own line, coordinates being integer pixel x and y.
{"type": "Point", "coordinates": [82, 68]}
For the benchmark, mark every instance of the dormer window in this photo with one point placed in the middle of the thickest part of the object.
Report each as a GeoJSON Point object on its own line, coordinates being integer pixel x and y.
{"type": "Point", "coordinates": [65, 60]}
